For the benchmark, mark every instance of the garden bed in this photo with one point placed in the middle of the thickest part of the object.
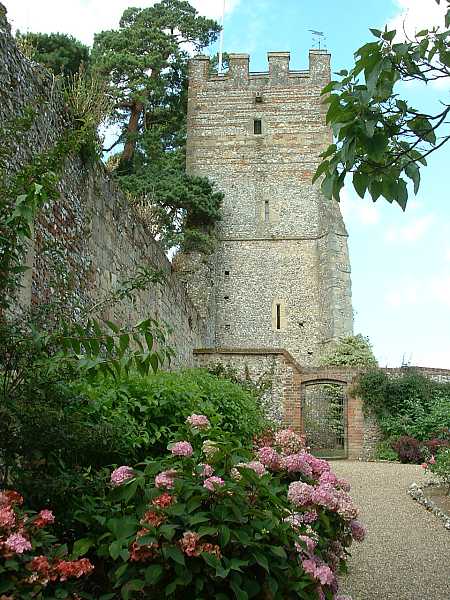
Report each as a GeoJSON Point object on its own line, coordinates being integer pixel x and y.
{"type": "Point", "coordinates": [434, 498]}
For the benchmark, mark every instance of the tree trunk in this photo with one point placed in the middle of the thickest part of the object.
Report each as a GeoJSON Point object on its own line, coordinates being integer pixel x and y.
{"type": "Point", "coordinates": [130, 144]}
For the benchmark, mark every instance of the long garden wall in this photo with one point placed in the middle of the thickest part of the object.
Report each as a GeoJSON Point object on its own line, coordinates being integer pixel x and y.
{"type": "Point", "coordinates": [90, 239]}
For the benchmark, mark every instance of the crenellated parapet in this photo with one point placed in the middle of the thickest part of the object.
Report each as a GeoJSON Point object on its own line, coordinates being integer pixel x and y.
{"type": "Point", "coordinates": [278, 73]}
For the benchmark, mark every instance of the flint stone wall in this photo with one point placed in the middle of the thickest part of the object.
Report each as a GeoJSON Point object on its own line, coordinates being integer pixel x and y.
{"type": "Point", "coordinates": [90, 239]}
{"type": "Point", "coordinates": [280, 241]}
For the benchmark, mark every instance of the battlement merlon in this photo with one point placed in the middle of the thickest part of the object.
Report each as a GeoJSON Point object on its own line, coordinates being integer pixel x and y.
{"type": "Point", "coordinates": [278, 74]}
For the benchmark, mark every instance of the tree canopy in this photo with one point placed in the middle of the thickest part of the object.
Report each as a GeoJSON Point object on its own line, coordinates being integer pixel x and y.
{"type": "Point", "coordinates": [379, 137]}
{"type": "Point", "coordinates": [145, 61]}
{"type": "Point", "coordinates": [60, 53]}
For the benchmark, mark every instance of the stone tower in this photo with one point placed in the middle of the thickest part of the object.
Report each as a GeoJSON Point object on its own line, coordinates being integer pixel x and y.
{"type": "Point", "coordinates": [280, 277]}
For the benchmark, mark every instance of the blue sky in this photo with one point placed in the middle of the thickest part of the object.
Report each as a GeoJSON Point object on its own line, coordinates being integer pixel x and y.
{"type": "Point", "coordinates": [400, 261]}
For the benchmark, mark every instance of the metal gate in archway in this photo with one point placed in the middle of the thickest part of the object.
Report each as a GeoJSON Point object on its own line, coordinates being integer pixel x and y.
{"type": "Point", "coordinates": [324, 418]}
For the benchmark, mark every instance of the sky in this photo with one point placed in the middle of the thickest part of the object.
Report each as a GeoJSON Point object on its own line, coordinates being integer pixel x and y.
{"type": "Point", "coordinates": [400, 261]}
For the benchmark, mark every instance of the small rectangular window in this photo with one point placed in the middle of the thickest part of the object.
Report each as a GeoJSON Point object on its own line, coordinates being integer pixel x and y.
{"type": "Point", "coordinates": [227, 273]}
{"type": "Point", "coordinates": [257, 127]}
{"type": "Point", "coordinates": [278, 316]}
{"type": "Point", "coordinates": [266, 211]}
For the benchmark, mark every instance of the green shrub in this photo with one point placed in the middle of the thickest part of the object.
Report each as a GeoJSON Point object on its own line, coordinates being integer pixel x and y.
{"type": "Point", "coordinates": [384, 451]}
{"type": "Point", "coordinates": [409, 405]}
{"type": "Point", "coordinates": [149, 409]}
{"type": "Point", "coordinates": [440, 467]}
{"type": "Point", "coordinates": [178, 528]}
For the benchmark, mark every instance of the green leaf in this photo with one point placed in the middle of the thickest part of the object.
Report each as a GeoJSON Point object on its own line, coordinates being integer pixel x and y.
{"type": "Point", "coordinates": [376, 32]}
{"type": "Point", "coordinates": [278, 551]}
{"type": "Point", "coordinates": [360, 182]}
{"type": "Point", "coordinates": [153, 574]}
{"type": "Point", "coordinates": [327, 186]}
{"type": "Point", "coordinates": [413, 172]}
{"type": "Point", "coordinates": [322, 168]}
{"type": "Point", "coordinates": [135, 585]}
{"type": "Point", "coordinates": [262, 560]}
{"type": "Point", "coordinates": [224, 535]}
{"type": "Point", "coordinates": [114, 549]}
{"type": "Point", "coordinates": [174, 553]}
{"type": "Point", "coordinates": [80, 547]}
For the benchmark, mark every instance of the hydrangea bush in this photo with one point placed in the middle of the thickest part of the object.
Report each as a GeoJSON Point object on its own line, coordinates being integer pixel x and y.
{"type": "Point", "coordinates": [32, 565]}
{"type": "Point", "coordinates": [215, 520]}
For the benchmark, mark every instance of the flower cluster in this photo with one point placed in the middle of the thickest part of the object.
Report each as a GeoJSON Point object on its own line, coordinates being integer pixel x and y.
{"type": "Point", "coordinates": [181, 449]}
{"type": "Point", "coordinates": [198, 421]}
{"type": "Point", "coordinates": [269, 457]}
{"type": "Point", "coordinates": [165, 479]}
{"type": "Point", "coordinates": [205, 470]}
{"type": "Point", "coordinates": [190, 545]}
{"type": "Point", "coordinates": [164, 500]}
{"type": "Point", "coordinates": [19, 534]}
{"type": "Point", "coordinates": [120, 475]}
{"type": "Point", "coordinates": [254, 465]}
{"type": "Point", "coordinates": [289, 441]}
{"type": "Point", "coordinates": [209, 449]}
{"type": "Point", "coordinates": [212, 483]}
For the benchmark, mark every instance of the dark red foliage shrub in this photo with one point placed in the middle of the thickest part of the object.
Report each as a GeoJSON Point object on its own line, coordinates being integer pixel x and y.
{"type": "Point", "coordinates": [409, 449]}
{"type": "Point", "coordinates": [435, 444]}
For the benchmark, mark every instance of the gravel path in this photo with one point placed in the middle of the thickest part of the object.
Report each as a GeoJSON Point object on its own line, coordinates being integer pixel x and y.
{"type": "Point", "coordinates": [406, 554]}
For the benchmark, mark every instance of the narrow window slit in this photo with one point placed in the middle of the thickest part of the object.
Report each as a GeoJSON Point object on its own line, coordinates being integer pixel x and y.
{"type": "Point", "coordinates": [266, 211]}
{"type": "Point", "coordinates": [257, 127]}
{"type": "Point", "coordinates": [278, 316]}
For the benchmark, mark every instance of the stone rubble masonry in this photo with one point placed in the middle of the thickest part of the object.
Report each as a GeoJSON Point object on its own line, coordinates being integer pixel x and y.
{"type": "Point", "coordinates": [90, 239]}
{"type": "Point", "coordinates": [280, 241]}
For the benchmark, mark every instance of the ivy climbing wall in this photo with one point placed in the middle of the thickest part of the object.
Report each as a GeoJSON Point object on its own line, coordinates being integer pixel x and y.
{"type": "Point", "coordinates": [88, 240]}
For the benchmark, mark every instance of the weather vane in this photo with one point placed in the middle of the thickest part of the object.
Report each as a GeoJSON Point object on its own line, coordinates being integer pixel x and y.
{"type": "Point", "coordinates": [318, 39]}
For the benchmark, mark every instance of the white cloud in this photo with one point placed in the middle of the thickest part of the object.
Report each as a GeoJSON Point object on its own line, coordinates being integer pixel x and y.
{"type": "Point", "coordinates": [430, 291]}
{"type": "Point", "coordinates": [83, 18]}
{"type": "Point", "coordinates": [353, 208]}
{"type": "Point", "coordinates": [411, 232]}
{"type": "Point", "coordinates": [415, 15]}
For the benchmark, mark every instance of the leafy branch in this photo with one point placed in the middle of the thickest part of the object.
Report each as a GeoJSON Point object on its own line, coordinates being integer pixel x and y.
{"type": "Point", "coordinates": [379, 137]}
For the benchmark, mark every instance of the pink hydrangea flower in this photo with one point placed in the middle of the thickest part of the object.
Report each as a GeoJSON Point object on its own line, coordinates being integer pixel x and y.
{"type": "Point", "coordinates": [296, 463]}
{"type": "Point", "coordinates": [181, 449]}
{"type": "Point", "coordinates": [432, 460]}
{"type": "Point", "coordinates": [45, 517]}
{"type": "Point", "coordinates": [198, 421]}
{"type": "Point", "coordinates": [7, 517]}
{"type": "Point", "coordinates": [324, 495]}
{"type": "Point", "coordinates": [345, 506]}
{"type": "Point", "coordinates": [328, 477]}
{"type": "Point", "coordinates": [255, 466]}
{"type": "Point", "coordinates": [206, 470]}
{"type": "Point", "coordinates": [358, 530]}
{"type": "Point", "coordinates": [300, 493]}
{"type": "Point", "coordinates": [318, 465]}
{"type": "Point", "coordinates": [269, 457]}
{"type": "Point", "coordinates": [344, 484]}
{"type": "Point", "coordinates": [319, 570]}
{"type": "Point", "coordinates": [213, 482]}
{"type": "Point", "coordinates": [289, 441]}
{"type": "Point", "coordinates": [309, 542]}
{"type": "Point", "coordinates": [17, 543]}
{"type": "Point", "coordinates": [165, 479]}
{"type": "Point", "coordinates": [121, 474]}
{"type": "Point", "coordinates": [188, 543]}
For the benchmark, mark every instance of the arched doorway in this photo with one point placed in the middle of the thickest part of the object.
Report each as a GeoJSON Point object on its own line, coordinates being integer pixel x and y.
{"type": "Point", "coordinates": [325, 417]}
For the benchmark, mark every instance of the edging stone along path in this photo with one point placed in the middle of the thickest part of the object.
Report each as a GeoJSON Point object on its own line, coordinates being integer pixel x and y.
{"type": "Point", "coordinates": [406, 553]}
{"type": "Point", "coordinates": [419, 493]}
